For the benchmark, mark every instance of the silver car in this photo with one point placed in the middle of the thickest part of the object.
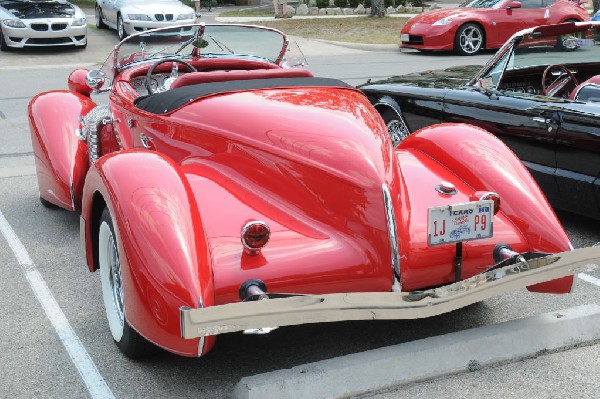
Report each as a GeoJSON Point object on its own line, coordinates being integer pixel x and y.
{"type": "Point", "coordinates": [25, 23]}
{"type": "Point", "coordinates": [131, 16]}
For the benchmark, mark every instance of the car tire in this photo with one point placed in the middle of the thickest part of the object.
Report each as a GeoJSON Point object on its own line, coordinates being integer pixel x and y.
{"type": "Point", "coordinates": [47, 204]}
{"type": "Point", "coordinates": [469, 39]}
{"type": "Point", "coordinates": [99, 21]}
{"type": "Point", "coordinates": [129, 342]}
{"type": "Point", "coordinates": [3, 45]}
{"type": "Point", "coordinates": [559, 43]}
{"type": "Point", "coordinates": [121, 28]}
{"type": "Point", "coordinates": [396, 126]}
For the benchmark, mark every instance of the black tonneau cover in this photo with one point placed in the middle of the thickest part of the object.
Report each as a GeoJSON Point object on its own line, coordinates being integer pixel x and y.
{"type": "Point", "coordinates": [162, 103]}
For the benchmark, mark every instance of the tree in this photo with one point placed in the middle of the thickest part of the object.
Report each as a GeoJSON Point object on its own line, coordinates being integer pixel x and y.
{"type": "Point", "coordinates": [378, 8]}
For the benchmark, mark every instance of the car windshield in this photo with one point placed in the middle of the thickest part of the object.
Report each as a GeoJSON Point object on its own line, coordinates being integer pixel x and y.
{"type": "Point", "coordinates": [544, 46]}
{"type": "Point", "coordinates": [202, 41]}
{"type": "Point", "coordinates": [482, 3]}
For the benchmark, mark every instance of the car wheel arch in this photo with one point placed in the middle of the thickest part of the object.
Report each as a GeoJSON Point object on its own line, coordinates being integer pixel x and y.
{"type": "Point", "coordinates": [387, 106]}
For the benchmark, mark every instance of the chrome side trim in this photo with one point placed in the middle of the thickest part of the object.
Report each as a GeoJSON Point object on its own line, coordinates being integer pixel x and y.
{"type": "Point", "coordinates": [393, 235]}
{"type": "Point", "coordinates": [92, 123]}
{"type": "Point", "coordinates": [384, 305]}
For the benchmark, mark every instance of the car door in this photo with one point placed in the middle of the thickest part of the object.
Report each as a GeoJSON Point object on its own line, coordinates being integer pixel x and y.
{"type": "Point", "coordinates": [527, 126]}
{"type": "Point", "coordinates": [578, 158]}
{"type": "Point", "coordinates": [510, 20]}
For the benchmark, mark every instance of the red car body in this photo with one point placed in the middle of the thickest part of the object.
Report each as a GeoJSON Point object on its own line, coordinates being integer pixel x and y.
{"type": "Point", "coordinates": [310, 158]}
{"type": "Point", "coordinates": [441, 29]}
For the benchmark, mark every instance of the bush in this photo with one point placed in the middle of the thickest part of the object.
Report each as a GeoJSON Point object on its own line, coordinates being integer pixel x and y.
{"type": "Point", "coordinates": [367, 3]}
{"type": "Point", "coordinates": [340, 3]}
{"type": "Point", "coordinates": [354, 3]}
{"type": "Point", "coordinates": [388, 3]}
{"type": "Point", "coordinates": [322, 3]}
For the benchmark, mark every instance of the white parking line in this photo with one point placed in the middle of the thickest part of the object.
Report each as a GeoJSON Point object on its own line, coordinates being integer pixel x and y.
{"type": "Point", "coordinates": [589, 279]}
{"type": "Point", "coordinates": [94, 382]}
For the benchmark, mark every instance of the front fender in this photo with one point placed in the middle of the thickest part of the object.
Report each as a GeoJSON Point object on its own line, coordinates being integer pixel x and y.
{"type": "Point", "coordinates": [487, 164]}
{"type": "Point", "coordinates": [161, 241]}
{"type": "Point", "coordinates": [61, 158]}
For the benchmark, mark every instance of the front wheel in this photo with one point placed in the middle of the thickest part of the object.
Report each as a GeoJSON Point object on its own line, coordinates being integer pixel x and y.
{"type": "Point", "coordinates": [121, 28]}
{"type": "Point", "coordinates": [468, 40]}
{"type": "Point", "coordinates": [128, 341]}
{"type": "Point", "coordinates": [3, 45]}
{"type": "Point", "coordinates": [99, 21]}
{"type": "Point", "coordinates": [395, 125]}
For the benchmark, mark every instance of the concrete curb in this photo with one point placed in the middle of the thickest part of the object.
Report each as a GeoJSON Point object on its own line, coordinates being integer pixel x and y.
{"type": "Point", "coordinates": [427, 358]}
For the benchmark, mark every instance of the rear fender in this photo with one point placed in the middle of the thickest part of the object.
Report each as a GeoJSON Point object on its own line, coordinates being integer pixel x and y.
{"type": "Point", "coordinates": [161, 240]}
{"type": "Point", "coordinates": [61, 158]}
{"type": "Point", "coordinates": [487, 164]}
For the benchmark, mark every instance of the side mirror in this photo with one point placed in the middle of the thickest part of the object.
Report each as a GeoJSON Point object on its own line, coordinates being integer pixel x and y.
{"type": "Point", "coordinates": [514, 4]}
{"type": "Point", "coordinates": [95, 79]}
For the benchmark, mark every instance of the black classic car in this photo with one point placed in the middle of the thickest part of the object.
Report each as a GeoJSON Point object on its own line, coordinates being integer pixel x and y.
{"type": "Point", "coordinates": [540, 94]}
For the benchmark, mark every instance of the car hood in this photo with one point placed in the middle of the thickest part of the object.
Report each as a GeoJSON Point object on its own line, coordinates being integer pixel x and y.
{"type": "Point", "coordinates": [38, 9]}
{"type": "Point", "coordinates": [163, 7]}
{"type": "Point", "coordinates": [430, 17]}
{"type": "Point", "coordinates": [448, 78]}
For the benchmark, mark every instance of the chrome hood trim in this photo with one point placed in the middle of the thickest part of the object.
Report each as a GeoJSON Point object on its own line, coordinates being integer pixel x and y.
{"type": "Point", "coordinates": [384, 305]}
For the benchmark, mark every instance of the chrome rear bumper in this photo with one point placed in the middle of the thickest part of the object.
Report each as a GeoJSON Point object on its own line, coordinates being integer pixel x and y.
{"type": "Point", "coordinates": [383, 305]}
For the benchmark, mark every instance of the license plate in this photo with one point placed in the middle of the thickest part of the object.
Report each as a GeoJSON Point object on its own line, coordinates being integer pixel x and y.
{"type": "Point", "coordinates": [404, 38]}
{"type": "Point", "coordinates": [460, 222]}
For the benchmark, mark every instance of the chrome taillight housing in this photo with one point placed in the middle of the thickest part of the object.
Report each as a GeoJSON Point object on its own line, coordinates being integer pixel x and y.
{"type": "Point", "coordinates": [255, 235]}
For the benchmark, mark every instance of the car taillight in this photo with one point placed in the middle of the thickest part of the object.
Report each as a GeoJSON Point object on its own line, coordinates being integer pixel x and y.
{"type": "Point", "coordinates": [488, 195]}
{"type": "Point", "coordinates": [255, 235]}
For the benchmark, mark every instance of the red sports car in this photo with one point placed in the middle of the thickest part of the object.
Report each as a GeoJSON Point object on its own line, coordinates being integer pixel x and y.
{"type": "Point", "coordinates": [221, 190]}
{"type": "Point", "coordinates": [484, 24]}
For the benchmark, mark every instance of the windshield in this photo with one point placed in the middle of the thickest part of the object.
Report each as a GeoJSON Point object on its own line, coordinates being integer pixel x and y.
{"type": "Point", "coordinates": [542, 47]}
{"type": "Point", "coordinates": [482, 3]}
{"type": "Point", "coordinates": [201, 41]}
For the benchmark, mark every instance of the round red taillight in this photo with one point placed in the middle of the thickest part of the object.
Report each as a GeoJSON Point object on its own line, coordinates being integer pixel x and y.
{"type": "Point", "coordinates": [255, 235]}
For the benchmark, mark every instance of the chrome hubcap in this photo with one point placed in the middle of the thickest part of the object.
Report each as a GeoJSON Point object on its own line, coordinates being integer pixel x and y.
{"type": "Point", "coordinates": [114, 275]}
{"type": "Point", "coordinates": [470, 40]}
{"type": "Point", "coordinates": [398, 131]}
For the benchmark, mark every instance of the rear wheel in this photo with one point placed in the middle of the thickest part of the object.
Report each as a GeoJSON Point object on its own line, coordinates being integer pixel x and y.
{"type": "Point", "coordinates": [48, 204]}
{"type": "Point", "coordinates": [469, 39]}
{"type": "Point", "coordinates": [121, 28]}
{"type": "Point", "coordinates": [126, 338]}
{"type": "Point", "coordinates": [99, 21]}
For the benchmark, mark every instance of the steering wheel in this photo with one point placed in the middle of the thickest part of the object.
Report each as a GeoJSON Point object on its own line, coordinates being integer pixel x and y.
{"type": "Point", "coordinates": [169, 81]}
{"type": "Point", "coordinates": [552, 89]}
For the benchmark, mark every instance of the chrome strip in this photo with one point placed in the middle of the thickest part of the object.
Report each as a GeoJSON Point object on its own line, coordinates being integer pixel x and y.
{"type": "Point", "coordinates": [384, 305]}
{"type": "Point", "coordinates": [92, 123]}
{"type": "Point", "coordinates": [392, 233]}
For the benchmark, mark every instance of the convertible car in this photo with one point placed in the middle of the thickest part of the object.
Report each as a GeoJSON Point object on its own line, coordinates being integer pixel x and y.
{"type": "Point", "coordinates": [484, 24]}
{"type": "Point", "coordinates": [223, 189]}
{"type": "Point", "coordinates": [540, 94]}
{"type": "Point", "coordinates": [26, 23]}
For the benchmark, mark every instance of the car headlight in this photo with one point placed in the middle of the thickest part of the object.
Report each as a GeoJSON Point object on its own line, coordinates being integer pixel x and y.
{"type": "Point", "coordinates": [139, 17]}
{"type": "Point", "coordinates": [443, 21]}
{"type": "Point", "coordinates": [185, 16]}
{"type": "Point", "coordinates": [14, 23]}
{"type": "Point", "coordinates": [78, 22]}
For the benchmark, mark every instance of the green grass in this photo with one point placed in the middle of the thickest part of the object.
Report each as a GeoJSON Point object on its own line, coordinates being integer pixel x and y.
{"type": "Point", "coordinates": [361, 29]}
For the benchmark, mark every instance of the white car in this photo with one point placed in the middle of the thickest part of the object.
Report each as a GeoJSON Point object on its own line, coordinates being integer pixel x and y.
{"type": "Point", "coordinates": [25, 23]}
{"type": "Point", "coordinates": [132, 16]}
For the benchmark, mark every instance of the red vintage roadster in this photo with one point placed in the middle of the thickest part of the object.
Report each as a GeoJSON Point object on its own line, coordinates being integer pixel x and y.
{"type": "Point", "coordinates": [221, 189]}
